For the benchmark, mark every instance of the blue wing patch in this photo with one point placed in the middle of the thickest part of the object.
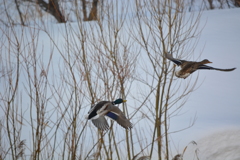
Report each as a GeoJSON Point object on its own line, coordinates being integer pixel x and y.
{"type": "Point", "coordinates": [112, 115]}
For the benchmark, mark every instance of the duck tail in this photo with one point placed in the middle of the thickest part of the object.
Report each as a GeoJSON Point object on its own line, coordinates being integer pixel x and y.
{"type": "Point", "coordinates": [225, 70]}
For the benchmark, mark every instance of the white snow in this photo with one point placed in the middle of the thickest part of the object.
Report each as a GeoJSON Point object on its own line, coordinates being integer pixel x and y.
{"type": "Point", "coordinates": [217, 101]}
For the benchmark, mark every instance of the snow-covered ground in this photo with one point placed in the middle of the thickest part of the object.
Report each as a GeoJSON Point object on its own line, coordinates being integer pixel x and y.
{"type": "Point", "coordinates": [217, 102]}
{"type": "Point", "coordinates": [219, 145]}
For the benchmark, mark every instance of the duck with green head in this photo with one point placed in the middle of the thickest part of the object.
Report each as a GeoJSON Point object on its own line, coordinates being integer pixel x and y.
{"type": "Point", "coordinates": [188, 67]}
{"type": "Point", "coordinates": [108, 108]}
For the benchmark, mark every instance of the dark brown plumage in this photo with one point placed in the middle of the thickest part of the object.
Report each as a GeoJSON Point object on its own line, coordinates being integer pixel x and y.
{"type": "Point", "coordinates": [188, 67]}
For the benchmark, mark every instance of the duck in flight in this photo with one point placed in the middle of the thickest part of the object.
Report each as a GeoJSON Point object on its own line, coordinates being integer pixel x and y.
{"type": "Point", "coordinates": [108, 108]}
{"type": "Point", "coordinates": [188, 67]}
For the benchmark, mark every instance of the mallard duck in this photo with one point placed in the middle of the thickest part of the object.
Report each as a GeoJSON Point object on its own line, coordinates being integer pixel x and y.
{"type": "Point", "coordinates": [188, 67]}
{"type": "Point", "coordinates": [108, 108]}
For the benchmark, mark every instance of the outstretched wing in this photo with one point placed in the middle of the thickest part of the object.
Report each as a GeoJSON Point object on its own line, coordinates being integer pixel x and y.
{"type": "Point", "coordinates": [212, 68]}
{"type": "Point", "coordinates": [117, 115]}
{"type": "Point", "coordinates": [96, 108]}
{"type": "Point", "coordinates": [91, 109]}
{"type": "Point", "coordinates": [112, 115]}
{"type": "Point", "coordinates": [101, 123]}
{"type": "Point", "coordinates": [176, 61]}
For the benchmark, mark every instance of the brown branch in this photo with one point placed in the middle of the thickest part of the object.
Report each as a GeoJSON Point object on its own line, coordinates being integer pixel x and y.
{"type": "Point", "coordinates": [84, 10]}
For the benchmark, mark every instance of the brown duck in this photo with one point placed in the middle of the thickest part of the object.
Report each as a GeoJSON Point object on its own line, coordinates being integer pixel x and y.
{"type": "Point", "coordinates": [188, 67]}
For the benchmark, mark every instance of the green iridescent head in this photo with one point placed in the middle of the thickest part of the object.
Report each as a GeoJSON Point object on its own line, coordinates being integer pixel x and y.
{"type": "Point", "coordinates": [119, 101]}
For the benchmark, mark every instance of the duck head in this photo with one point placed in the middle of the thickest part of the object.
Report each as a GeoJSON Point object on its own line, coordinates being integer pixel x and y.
{"type": "Point", "coordinates": [205, 61]}
{"type": "Point", "coordinates": [119, 101]}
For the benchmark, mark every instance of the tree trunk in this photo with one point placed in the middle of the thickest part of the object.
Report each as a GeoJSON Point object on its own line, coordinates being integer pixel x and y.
{"type": "Point", "coordinates": [211, 4]}
{"type": "Point", "coordinates": [237, 3]}
{"type": "Point", "coordinates": [93, 14]}
{"type": "Point", "coordinates": [84, 10]}
{"type": "Point", "coordinates": [19, 12]}
{"type": "Point", "coordinates": [53, 8]}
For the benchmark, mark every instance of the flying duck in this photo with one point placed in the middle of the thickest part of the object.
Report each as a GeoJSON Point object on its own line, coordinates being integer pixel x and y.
{"type": "Point", "coordinates": [188, 67]}
{"type": "Point", "coordinates": [108, 108]}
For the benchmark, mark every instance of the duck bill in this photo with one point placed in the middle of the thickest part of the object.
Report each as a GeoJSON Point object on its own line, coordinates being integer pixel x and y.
{"type": "Point", "coordinates": [124, 100]}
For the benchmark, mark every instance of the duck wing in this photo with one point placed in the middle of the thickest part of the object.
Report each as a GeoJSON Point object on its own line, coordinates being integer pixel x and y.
{"type": "Point", "coordinates": [212, 68]}
{"type": "Point", "coordinates": [91, 109]}
{"type": "Point", "coordinates": [101, 123]}
{"type": "Point", "coordinates": [96, 108]}
{"type": "Point", "coordinates": [99, 105]}
{"type": "Point", "coordinates": [174, 60]}
{"type": "Point", "coordinates": [117, 115]}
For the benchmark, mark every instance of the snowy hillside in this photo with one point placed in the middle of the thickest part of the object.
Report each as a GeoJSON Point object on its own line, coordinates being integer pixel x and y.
{"type": "Point", "coordinates": [53, 94]}
{"type": "Point", "coordinates": [216, 103]}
